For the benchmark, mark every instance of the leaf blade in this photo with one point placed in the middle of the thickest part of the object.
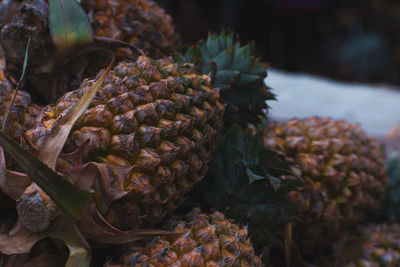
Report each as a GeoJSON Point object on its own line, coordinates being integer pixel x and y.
{"type": "Point", "coordinates": [4, 124]}
{"type": "Point", "coordinates": [69, 24]}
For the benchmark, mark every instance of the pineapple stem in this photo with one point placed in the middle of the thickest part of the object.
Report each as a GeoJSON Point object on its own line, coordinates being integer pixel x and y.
{"type": "Point", "coordinates": [4, 124]}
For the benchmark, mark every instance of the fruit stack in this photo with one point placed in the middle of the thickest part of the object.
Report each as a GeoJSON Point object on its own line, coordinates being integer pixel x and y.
{"type": "Point", "coordinates": [114, 170]}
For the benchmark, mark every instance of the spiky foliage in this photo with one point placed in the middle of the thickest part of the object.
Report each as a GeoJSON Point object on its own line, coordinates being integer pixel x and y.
{"type": "Point", "coordinates": [343, 170]}
{"type": "Point", "coordinates": [23, 112]}
{"type": "Point", "coordinates": [245, 182]}
{"type": "Point", "coordinates": [154, 125]}
{"type": "Point", "coordinates": [206, 240]}
{"type": "Point", "coordinates": [142, 23]}
{"type": "Point", "coordinates": [237, 72]}
{"type": "Point", "coordinates": [389, 210]}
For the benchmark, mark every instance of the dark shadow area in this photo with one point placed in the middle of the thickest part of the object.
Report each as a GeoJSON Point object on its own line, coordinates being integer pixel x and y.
{"type": "Point", "coordinates": [354, 40]}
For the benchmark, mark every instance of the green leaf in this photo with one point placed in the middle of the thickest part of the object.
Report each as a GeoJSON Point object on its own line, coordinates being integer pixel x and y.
{"type": "Point", "coordinates": [224, 59]}
{"type": "Point", "coordinates": [72, 200]}
{"type": "Point", "coordinates": [69, 24]}
{"type": "Point", "coordinates": [4, 124]}
{"type": "Point", "coordinates": [227, 76]}
{"type": "Point", "coordinates": [253, 176]}
{"type": "Point", "coordinates": [274, 181]}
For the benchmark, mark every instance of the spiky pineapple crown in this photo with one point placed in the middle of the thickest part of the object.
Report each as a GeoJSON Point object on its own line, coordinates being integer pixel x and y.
{"type": "Point", "coordinates": [237, 72]}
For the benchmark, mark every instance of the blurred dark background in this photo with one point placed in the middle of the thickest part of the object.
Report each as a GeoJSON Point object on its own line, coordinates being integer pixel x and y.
{"type": "Point", "coordinates": [353, 40]}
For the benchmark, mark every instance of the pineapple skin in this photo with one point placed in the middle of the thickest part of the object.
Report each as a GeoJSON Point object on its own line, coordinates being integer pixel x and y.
{"type": "Point", "coordinates": [142, 23]}
{"type": "Point", "coordinates": [343, 171]}
{"type": "Point", "coordinates": [380, 247]}
{"type": "Point", "coordinates": [23, 113]}
{"type": "Point", "coordinates": [206, 240]}
{"type": "Point", "coordinates": [154, 124]}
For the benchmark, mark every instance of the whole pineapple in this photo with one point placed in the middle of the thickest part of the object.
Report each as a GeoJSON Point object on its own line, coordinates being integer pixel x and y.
{"type": "Point", "coordinates": [380, 247]}
{"type": "Point", "coordinates": [343, 171]}
{"type": "Point", "coordinates": [206, 240]}
{"type": "Point", "coordinates": [142, 23]}
{"type": "Point", "coordinates": [244, 179]}
{"type": "Point", "coordinates": [373, 245]}
{"type": "Point", "coordinates": [154, 125]}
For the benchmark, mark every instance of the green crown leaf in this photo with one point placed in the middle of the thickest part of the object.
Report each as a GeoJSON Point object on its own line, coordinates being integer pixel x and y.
{"type": "Point", "coordinates": [245, 182]}
{"type": "Point", "coordinates": [237, 73]}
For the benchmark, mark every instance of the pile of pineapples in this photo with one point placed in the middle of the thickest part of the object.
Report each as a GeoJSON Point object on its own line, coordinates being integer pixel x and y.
{"type": "Point", "coordinates": [123, 150]}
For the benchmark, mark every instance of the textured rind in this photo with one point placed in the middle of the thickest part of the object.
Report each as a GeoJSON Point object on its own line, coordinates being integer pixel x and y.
{"type": "Point", "coordinates": [206, 240]}
{"type": "Point", "coordinates": [23, 112]}
{"type": "Point", "coordinates": [343, 170]}
{"type": "Point", "coordinates": [154, 123]}
{"type": "Point", "coordinates": [142, 23]}
{"type": "Point", "coordinates": [381, 246]}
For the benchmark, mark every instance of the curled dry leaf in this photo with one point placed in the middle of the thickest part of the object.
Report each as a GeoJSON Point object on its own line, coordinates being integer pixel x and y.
{"type": "Point", "coordinates": [96, 228]}
{"type": "Point", "coordinates": [79, 249]}
{"type": "Point", "coordinates": [59, 133]}
{"type": "Point", "coordinates": [93, 225]}
{"type": "Point", "coordinates": [12, 183]}
{"type": "Point", "coordinates": [18, 241]}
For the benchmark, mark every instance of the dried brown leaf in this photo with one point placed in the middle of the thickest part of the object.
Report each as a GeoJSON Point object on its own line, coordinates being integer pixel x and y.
{"type": "Point", "coordinates": [94, 227]}
{"type": "Point", "coordinates": [12, 183]}
{"type": "Point", "coordinates": [96, 176]}
{"type": "Point", "coordinates": [79, 249]}
{"type": "Point", "coordinates": [18, 241]}
{"type": "Point", "coordinates": [14, 260]}
{"type": "Point", "coordinates": [59, 134]}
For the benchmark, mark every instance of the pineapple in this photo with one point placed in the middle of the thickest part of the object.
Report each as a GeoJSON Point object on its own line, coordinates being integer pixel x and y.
{"type": "Point", "coordinates": [244, 179]}
{"type": "Point", "coordinates": [23, 112]}
{"type": "Point", "coordinates": [142, 23]}
{"type": "Point", "coordinates": [380, 247]}
{"type": "Point", "coordinates": [206, 240]}
{"type": "Point", "coordinates": [373, 245]}
{"type": "Point", "coordinates": [154, 125]}
{"type": "Point", "coordinates": [344, 175]}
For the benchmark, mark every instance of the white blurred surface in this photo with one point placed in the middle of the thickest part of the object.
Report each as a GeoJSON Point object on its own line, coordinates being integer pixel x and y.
{"type": "Point", "coordinates": [375, 108]}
